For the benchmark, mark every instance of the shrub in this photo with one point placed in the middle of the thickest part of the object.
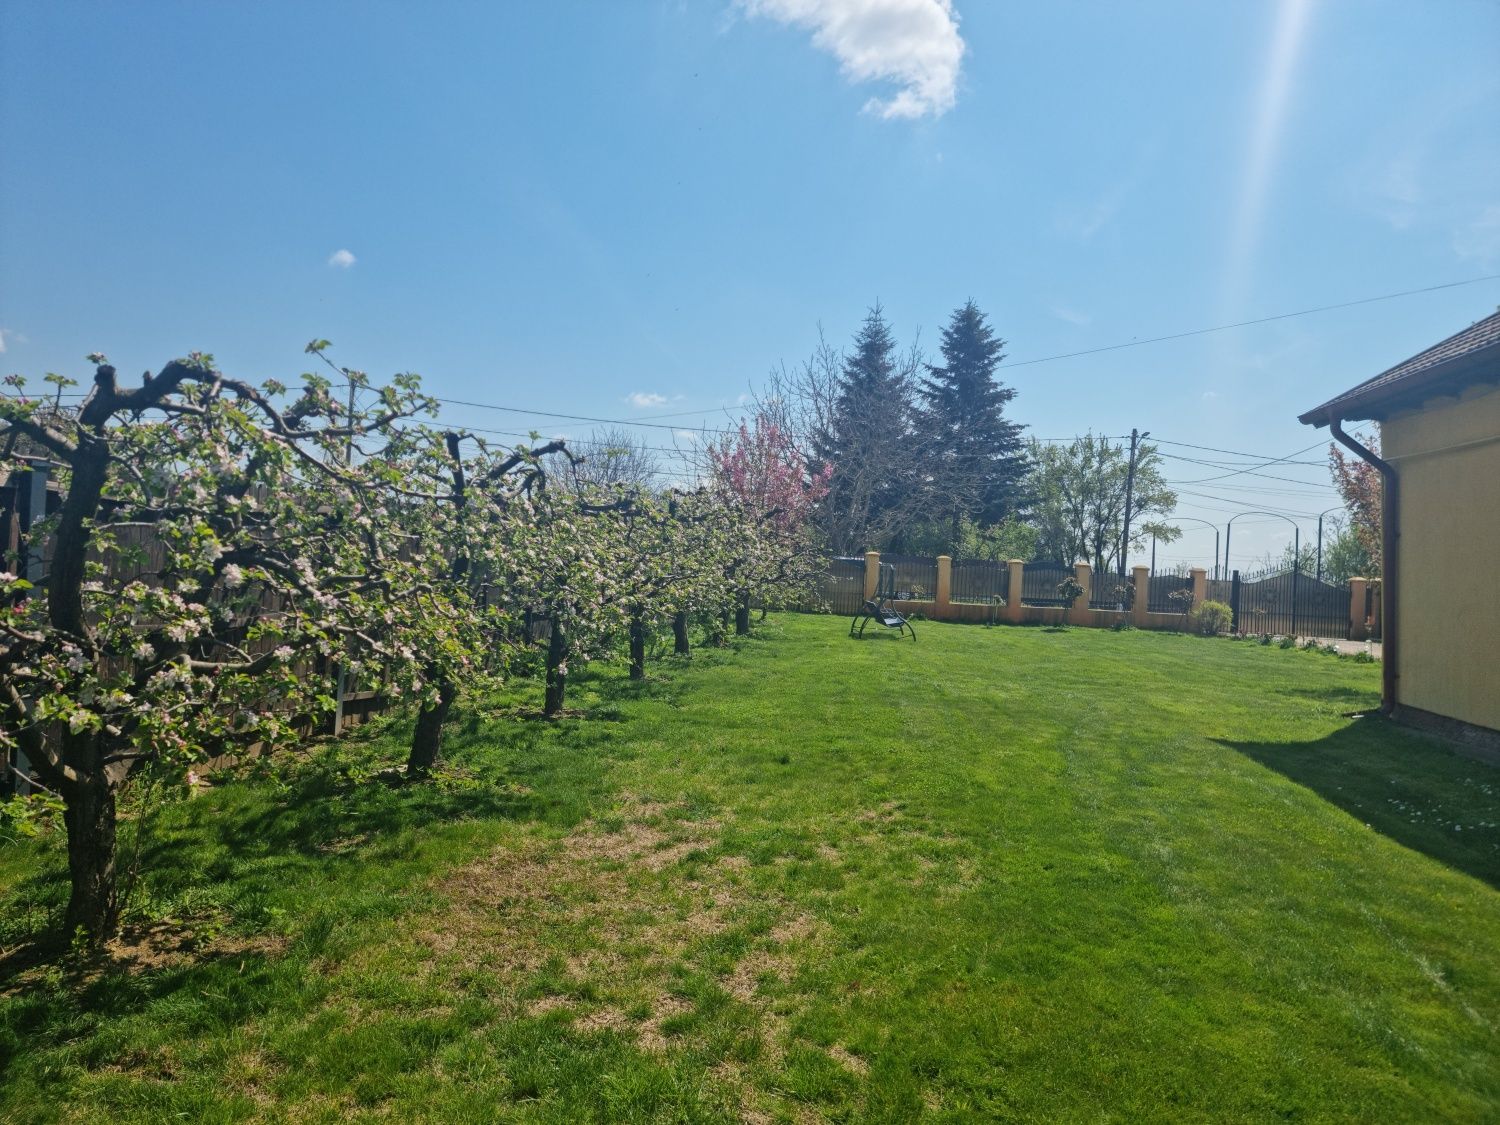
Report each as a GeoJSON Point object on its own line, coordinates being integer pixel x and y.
{"type": "Point", "coordinates": [1288, 642]}
{"type": "Point", "coordinates": [1123, 626]}
{"type": "Point", "coordinates": [1265, 638]}
{"type": "Point", "coordinates": [1364, 658]}
{"type": "Point", "coordinates": [1211, 618]}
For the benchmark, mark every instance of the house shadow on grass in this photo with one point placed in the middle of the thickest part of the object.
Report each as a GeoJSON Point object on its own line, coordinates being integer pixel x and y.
{"type": "Point", "coordinates": [1409, 787]}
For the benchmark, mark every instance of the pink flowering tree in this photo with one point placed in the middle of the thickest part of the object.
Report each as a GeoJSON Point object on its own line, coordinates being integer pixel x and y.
{"type": "Point", "coordinates": [218, 547]}
{"type": "Point", "coordinates": [763, 474]}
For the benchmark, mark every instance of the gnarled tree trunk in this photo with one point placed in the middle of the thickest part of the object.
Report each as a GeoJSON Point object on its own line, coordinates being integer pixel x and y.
{"type": "Point", "coordinates": [680, 644]}
{"type": "Point", "coordinates": [742, 615]}
{"type": "Point", "coordinates": [427, 738]}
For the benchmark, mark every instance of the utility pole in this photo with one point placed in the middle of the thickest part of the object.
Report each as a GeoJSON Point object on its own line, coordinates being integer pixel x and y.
{"type": "Point", "coordinates": [1135, 438]}
{"type": "Point", "coordinates": [349, 441]}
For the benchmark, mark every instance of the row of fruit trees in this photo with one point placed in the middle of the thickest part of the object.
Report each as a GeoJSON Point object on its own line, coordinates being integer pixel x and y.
{"type": "Point", "coordinates": [407, 555]}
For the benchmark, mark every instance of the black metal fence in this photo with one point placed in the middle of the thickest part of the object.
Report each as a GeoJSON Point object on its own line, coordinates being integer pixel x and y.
{"type": "Point", "coordinates": [1039, 581]}
{"type": "Point", "coordinates": [1289, 603]}
{"type": "Point", "coordinates": [1110, 591]}
{"type": "Point", "coordinates": [979, 582]}
{"type": "Point", "coordinates": [842, 589]}
{"type": "Point", "coordinates": [1163, 586]}
{"type": "Point", "coordinates": [916, 576]}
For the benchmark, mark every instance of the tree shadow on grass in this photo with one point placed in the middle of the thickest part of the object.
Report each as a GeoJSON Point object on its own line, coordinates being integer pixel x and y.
{"type": "Point", "coordinates": [311, 833]}
{"type": "Point", "coordinates": [1411, 788]}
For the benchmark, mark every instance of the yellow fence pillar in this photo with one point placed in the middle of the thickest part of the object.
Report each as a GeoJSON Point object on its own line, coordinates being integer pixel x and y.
{"type": "Point", "coordinates": [1200, 585]}
{"type": "Point", "coordinates": [1142, 604]}
{"type": "Point", "coordinates": [872, 573]}
{"type": "Point", "coordinates": [944, 587]}
{"type": "Point", "coordinates": [1017, 582]}
{"type": "Point", "coordinates": [1357, 590]}
{"type": "Point", "coordinates": [1083, 574]}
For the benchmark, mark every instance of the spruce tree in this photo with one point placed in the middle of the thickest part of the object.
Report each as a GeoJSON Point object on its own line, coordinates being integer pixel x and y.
{"type": "Point", "coordinates": [975, 459]}
{"type": "Point", "coordinates": [867, 443]}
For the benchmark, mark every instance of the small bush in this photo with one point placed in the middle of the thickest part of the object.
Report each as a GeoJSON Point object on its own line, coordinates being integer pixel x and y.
{"type": "Point", "coordinates": [1123, 626]}
{"type": "Point", "coordinates": [1211, 618]}
{"type": "Point", "coordinates": [1265, 638]}
{"type": "Point", "coordinates": [1364, 658]}
{"type": "Point", "coordinates": [1288, 642]}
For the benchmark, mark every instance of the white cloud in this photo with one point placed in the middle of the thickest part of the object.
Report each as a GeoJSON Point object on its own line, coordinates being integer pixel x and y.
{"type": "Point", "coordinates": [643, 399]}
{"type": "Point", "coordinates": [3, 333]}
{"type": "Point", "coordinates": [686, 435]}
{"type": "Point", "coordinates": [1071, 315]}
{"type": "Point", "coordinates": [912, 43]}
{"type": "Point", "coordinates": [341, 259]}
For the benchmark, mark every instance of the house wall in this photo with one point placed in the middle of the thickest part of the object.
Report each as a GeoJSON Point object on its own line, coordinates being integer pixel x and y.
{"type": "Point", "coordinates": [1447, 458]}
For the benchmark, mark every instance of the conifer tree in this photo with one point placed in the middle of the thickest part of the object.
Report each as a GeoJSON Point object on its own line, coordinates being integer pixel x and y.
{"type": "Point", "coordinates": [975, 462]}
{"type": "Point", "coordinates": [866, 446]}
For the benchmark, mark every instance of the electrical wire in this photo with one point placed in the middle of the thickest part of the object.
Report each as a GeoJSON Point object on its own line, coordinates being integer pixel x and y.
{"type": "Point", "coordinates": [1258, 320]}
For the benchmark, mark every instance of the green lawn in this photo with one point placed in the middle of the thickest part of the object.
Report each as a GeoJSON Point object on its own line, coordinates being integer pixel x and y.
{"type": "Point", "coordinates": [997, 874]}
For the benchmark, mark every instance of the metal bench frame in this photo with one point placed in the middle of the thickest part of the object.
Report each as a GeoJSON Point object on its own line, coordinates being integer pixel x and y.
{"type": "Point", "coordinates": [879, 608]}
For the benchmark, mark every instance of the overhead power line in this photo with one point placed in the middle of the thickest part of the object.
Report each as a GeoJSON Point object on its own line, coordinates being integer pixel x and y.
{"type": "Point", "coordinates": [1251, 470]}
{"type": "Point", "coordinates": [1248, 323]}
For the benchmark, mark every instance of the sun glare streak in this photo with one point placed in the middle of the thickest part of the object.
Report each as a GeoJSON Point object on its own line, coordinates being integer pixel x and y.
{"type": "Point", "coordinates": [1271, 108]}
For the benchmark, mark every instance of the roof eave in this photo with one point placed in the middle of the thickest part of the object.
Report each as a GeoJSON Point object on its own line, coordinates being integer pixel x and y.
{"type": "Point", "coordinates": [1448, 377]}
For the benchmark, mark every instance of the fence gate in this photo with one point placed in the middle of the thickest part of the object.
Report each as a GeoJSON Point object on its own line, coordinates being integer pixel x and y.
{"type": "Point", "coordinates": [1289, 603]}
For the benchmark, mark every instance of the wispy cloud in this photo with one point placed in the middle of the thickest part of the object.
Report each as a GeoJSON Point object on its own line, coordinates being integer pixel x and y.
{"type": "Point", "coordinates": [912, 43]}
{"type": "Point", "coordinates": [341, 259]}
{"type": "Point", "coordinates": [643, 399]}
{"type": "Point", "coordinates": [1083, 220]}
{"type": "Point", "coordinates": [1480, 240]}
{"type": "Point", "coordinates": [4, 332]}
{"type": "Point", "coordinates": [688, 436]}
{"type": "Point", "coordinates": [1072, 316]}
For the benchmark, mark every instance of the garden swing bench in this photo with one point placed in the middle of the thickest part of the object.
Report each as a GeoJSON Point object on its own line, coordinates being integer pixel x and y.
{"type": "Point", "coordinates": [879, 608]}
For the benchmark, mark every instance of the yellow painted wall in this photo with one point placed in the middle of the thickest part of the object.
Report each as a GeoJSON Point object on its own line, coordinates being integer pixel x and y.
{"type": "Point", "coordinates": [1448, 604]}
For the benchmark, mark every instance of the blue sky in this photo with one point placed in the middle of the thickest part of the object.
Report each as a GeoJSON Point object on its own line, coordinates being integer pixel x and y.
{"type": "Point", "coordinates": [560, 206]}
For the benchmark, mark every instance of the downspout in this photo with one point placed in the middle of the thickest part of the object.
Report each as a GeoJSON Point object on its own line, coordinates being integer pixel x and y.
{"type": "Point", "coordinates": [1389, 533]}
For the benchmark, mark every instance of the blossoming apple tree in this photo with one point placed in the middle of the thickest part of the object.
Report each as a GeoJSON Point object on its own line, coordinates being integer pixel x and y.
{"type": "Point", "coordinates": [212, 553]}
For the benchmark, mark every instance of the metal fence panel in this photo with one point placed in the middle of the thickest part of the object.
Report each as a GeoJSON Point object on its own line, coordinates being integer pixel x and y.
{"type": "Point", "coordinates": [979, 581]}
{"type": "Point", "coordinates": [1163, 586]}
{"type": "Point", "coordinates": [843, 586]}
{"type": "Point", "coordinates": [1039, 581]}
{"type": "Point", "coordinates": [916, 576]}
{"type": "Point", "coordinates": [1110, 591]}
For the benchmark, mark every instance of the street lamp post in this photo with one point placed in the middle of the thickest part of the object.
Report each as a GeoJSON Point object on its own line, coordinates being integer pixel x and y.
{"type": "Point", "coordinates": [1205, 523]}
{"type": "Point", "coordinates": [1296, 552]}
